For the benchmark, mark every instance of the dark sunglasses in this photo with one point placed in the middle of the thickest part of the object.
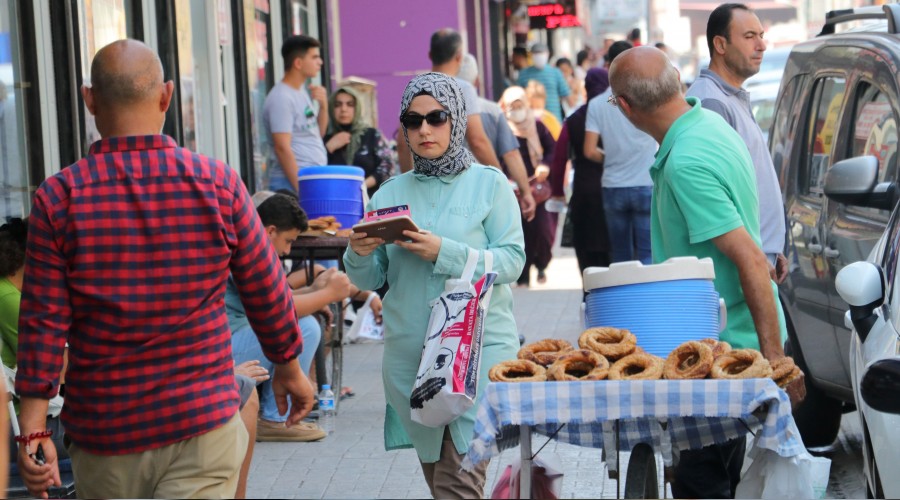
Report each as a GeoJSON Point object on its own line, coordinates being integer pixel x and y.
{"type": "Point", "coordinates": [434, 118]}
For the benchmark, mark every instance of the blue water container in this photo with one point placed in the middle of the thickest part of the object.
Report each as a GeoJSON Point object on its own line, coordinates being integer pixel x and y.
{"type": "Point", "coordinates": [332, 190]}
{"type": "Point", "coordinates": [664, 305]}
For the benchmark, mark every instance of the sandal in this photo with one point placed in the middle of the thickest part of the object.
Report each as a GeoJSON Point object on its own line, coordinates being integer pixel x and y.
{"type": "Point", "coordinates": [347, 392]}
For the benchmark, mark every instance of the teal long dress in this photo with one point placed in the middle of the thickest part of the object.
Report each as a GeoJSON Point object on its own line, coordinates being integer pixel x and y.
{"type": "Point", "coordinates": [473, 209]}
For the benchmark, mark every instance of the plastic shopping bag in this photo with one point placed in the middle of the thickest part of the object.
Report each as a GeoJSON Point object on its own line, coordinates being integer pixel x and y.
{"type": "Point", "coordinates": [773, 476]}
{"type": "Point", "coordinates": [546, 479]}
{"type": "Point", "coordinates": [365, 326]}
{"type": "Point", "coordinates": [447, 379]}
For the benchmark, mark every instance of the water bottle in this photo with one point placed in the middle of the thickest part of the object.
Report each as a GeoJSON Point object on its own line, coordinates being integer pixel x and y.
{"type": "Point", "coordinates": [326, 409]}
{"type": "Point", "coordinates": [555, 206]}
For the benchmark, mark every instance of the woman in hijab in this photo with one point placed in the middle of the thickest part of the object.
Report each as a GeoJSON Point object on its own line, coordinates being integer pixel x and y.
{"type": "Point", "coordinates": [536, 146]}
{"type": "Point", "coordinates": [351, 141]}
{"type": "Point", "coordinates": [589, 235]}
{"type": "Point", "coordinates": [459, 205]}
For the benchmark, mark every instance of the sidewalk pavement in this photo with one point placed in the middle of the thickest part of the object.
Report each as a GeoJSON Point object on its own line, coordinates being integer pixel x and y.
{"type": "Point", "coordinates": [352, 462]}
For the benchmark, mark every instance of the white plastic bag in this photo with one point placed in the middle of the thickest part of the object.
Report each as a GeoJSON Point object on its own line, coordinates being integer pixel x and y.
{"type": "Point", "coordinates": [365, 326]}
{"type": "Point", "coordinates": [447, 379]}
{"type": "Point", "coordinates": [546, 479]}
{"type": "Point", "coordinates": [773, 476]}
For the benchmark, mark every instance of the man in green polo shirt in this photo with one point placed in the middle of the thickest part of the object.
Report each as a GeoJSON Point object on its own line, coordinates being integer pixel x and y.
{"type": "Point", "coordinates": [704, 204]}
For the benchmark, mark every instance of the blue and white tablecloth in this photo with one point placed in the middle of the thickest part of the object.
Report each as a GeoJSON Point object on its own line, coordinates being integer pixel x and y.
{"type": "Point", "coordinates": [669, 414]}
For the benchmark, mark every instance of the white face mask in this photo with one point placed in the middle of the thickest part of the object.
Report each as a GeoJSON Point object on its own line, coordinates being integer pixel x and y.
{"type": "Point", "coordinates": [540, 60]}
{"type": "Point", "coordinates": [517, 115]}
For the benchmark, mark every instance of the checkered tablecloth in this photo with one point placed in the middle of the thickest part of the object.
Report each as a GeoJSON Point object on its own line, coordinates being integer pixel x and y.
{"type": "Point", "coordinates": [670, 414]}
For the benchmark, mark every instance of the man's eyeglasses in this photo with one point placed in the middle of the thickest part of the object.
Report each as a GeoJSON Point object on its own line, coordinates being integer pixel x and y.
{"type": "Point", "coordinates": [613, 100]}
{"type": "Point", "coordinates": [413, 121]}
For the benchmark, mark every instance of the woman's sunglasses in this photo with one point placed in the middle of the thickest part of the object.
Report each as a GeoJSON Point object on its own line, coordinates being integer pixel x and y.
{"type": "Point", "coordinates": [434, 118]}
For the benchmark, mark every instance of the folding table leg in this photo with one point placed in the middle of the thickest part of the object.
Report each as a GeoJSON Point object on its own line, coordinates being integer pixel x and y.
{"type": "Point", "coordinates": [525, 471]}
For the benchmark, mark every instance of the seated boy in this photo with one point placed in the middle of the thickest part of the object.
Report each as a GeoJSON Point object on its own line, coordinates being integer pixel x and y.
{"type": "Point", "coordinates": [283, 220]}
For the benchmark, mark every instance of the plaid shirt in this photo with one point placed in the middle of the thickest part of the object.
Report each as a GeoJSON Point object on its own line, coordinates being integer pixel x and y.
{"type": "Point", "coordinates": [128, 254]}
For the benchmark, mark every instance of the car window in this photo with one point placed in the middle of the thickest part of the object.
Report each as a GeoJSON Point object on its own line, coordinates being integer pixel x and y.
{"type": "Point", "coordinates": [825, 112]}
{"type": "Point", "coordinates": [784, 127]}
{"type": "Point", "coordinates": [874, 129]}
{"type": "Point", "coordinates": [891, 249]}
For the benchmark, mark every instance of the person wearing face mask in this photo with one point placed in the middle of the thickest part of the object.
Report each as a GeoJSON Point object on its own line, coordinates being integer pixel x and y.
{"type": "Point", "coordinates": [536, 146]}
{"type": "Point", "coordinates": [352, 141]}
{"type": "Point", "coordinates": [551, 77]}
{"type": "Point", "coordinates": [460, 205]}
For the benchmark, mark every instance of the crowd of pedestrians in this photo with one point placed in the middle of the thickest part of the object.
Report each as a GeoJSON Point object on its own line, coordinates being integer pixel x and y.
{"type": "Point", "coordinates": [147, 319]}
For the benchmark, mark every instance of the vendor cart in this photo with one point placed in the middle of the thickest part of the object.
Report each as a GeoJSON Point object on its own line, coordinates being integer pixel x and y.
{"type": "Point", "coordinates": [638, 416]}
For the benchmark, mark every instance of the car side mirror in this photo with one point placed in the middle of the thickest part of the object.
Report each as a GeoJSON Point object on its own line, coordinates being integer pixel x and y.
{"type": "Point", "coordinates": [880, 385]}
{"type": "Point", "coordinates": [854, 181]}
{"type": "Point", "coordinates": [861, 285]}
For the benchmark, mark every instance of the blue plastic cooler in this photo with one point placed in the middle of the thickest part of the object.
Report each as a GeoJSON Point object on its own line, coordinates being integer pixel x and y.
{"type": "Point", "coordinates": [664, 305]}
{"type": "Point", "coordinates": [332, 190]}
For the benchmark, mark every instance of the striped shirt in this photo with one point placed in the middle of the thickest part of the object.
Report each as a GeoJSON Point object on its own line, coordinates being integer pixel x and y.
{"type": "Point", "coordinates": [128, 253]}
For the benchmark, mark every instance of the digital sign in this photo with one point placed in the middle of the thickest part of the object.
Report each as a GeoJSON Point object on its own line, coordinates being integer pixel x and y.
{"type": "Point", "coordinates": [553, 15]}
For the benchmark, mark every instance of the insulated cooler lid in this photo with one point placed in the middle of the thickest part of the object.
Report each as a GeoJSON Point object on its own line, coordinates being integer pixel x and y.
{"type": "Point", "coordinates": [632, 272]}
{"type": "Point", "coordinates": [347, 172]}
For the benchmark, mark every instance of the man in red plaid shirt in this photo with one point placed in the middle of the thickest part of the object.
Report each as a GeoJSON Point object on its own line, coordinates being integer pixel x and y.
{"type": "Point", "coordinates": [128, 254]}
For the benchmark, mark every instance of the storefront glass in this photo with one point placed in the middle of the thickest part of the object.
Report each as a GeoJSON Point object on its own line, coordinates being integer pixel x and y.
{"type": "Point", "coordinates": [186, 73]}
{"type": "Point", "coordinates": [257, 25]}
{"type": "Point", "coordinates": [102, 22]}
{"type": "Point", "coordinates": [300, 16]}
{"type": "Point", "coordinates": [15, 188]}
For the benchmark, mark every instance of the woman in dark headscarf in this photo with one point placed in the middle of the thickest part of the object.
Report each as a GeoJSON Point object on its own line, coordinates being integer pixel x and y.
{"type": "Point", "coordinates": [459, 205]}
{"type": "Point", "coordinates": [590, 237]}
{"type": "Point", "coordinates": [352, 141]}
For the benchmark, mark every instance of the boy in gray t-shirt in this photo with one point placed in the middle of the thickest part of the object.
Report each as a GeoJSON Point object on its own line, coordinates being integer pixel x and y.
{"type": "Point", "coordinates": [294, 116]}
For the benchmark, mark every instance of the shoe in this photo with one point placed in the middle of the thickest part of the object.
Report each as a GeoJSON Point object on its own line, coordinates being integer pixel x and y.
{"type": "Point", "coordinates": [541, 277]}
{"type": "Point", "coordinates": [268, 431]}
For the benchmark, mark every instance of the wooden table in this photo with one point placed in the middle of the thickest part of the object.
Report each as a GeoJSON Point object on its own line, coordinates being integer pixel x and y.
{"type": "Point", "coordinates": [308, 249]}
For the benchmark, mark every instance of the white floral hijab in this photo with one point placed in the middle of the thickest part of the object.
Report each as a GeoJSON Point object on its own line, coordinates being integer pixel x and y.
{"type": "Point", "coordinates": [445, 91]}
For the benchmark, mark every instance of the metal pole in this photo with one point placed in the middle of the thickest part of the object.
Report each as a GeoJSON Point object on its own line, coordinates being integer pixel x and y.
{"type": "Point", "coordinates": [525, 472]}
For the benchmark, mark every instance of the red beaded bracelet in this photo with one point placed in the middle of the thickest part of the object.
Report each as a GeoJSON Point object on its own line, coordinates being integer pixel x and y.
{"type": "Point", "coordinates": [34, 435]}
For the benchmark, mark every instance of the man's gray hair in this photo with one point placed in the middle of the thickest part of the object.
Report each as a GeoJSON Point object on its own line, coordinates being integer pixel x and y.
{"type": "Point", "coordinates": [645, 93]}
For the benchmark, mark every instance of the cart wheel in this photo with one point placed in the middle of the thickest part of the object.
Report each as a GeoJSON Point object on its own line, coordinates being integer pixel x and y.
{"type": "Point", "coordinates": [641, 478]}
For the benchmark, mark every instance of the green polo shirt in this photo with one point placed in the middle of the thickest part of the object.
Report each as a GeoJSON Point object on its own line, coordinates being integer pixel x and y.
{"type": "Point", "coordinates": [704, 186]}
{"type": "Point", "coordinates": [10, 296]}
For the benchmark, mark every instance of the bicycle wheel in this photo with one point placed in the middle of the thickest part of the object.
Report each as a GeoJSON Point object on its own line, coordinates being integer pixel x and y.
{"type": "Point", "coordinates": [641, 478]}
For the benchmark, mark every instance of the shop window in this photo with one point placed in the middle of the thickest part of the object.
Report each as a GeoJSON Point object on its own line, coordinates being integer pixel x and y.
{"type": "Point", "coordinates": [102, 22]}
{"type": "Point", "coordinates": [15, 189]}
{"type": "Point", "coordinates": [300, 15]}
{"type": "Point", "coordinates": [260, 77]}
{"type": "Point", "coordinates": [186, 74]}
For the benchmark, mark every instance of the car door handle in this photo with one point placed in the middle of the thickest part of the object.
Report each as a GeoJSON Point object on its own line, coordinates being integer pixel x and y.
{"type": "Point", "coordinates": [814, 248]}
{"type": "Point", "coordinates": [832, 253]}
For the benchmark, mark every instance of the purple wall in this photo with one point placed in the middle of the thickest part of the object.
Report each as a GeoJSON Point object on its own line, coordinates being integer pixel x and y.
{"type": "Point", "coordinates": [387, 41]}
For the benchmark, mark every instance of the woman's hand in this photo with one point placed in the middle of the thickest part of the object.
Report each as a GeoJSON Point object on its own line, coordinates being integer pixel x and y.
{"type": "Point", "coordinates": [338, 141]}
{"type": "Point", "coordinates": [362, 245]}
{"type": "Point", "coordinates": [424, 244]}
{"type": "Point", "coordinates": [541, 173]}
